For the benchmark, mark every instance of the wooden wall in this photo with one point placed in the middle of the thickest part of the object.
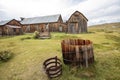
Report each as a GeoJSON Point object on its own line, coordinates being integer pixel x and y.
{"type": "Point", "coordinates": [52, 27]}
{"type": "Point", "coordinates": [0, 30]}
{"type": "Point", "coordinates": [5, 30]}
{"type": "Point", "coordinates": [77, 23]}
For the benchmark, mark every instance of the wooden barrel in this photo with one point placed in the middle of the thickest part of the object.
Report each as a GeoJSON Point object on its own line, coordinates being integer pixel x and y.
{"type": "Point", "coordinates": [77, 52]}
{"type": "Point", "coordinates": [53, 67]}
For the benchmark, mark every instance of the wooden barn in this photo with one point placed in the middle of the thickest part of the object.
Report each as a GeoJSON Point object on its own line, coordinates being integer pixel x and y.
{"type": "Point", "coordinates": [52, 23]}
{"type": "Point", "coordinates": [10, 27]}
{"type": "Point", "coordinates": [77, 23]}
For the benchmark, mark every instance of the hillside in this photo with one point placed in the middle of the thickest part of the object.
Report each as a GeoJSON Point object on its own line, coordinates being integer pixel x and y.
{"type": "Point", "coordinates": [109, 27]}
{"type": "Point", "coordinates": [117, 24]}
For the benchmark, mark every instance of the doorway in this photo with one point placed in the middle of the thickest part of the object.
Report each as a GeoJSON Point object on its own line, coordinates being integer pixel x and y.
{"type": "Point", "coordinates": [72, 28]}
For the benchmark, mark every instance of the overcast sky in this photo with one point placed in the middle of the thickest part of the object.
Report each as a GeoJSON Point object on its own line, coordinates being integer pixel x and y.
{"type": "Point", "coordinates": [97, 11]}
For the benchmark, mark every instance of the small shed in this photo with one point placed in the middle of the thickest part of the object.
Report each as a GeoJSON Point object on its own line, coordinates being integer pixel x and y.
{"type": "Point", "coordinates": [10, 27]}
{"type": "Point", "coordinates": [77, 23]}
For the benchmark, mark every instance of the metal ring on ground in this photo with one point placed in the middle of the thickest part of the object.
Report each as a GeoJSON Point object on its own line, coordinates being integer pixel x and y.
{"type": "Point", "coordinates": [53, 67]}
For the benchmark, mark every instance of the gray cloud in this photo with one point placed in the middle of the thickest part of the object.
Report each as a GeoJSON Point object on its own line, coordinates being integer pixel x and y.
{"type": "Point", "coordinates": [75, 2]}
{"type": "Point", "coordinates": [107, 13]}
{"type": "Point", "coordinates": [4, 15]}
{"type": "Point", "coordinates": [95, 10]}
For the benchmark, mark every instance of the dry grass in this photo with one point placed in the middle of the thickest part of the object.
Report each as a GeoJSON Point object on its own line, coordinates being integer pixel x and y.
{"type": "Point", "coordinates": [29, 55]}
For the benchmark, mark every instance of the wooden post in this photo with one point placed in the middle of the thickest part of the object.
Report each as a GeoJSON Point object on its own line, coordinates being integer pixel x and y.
{"type": "Point", "coordinates": [77, 54]}
{"type": "Point", "coordinates": [92, 53]}
{"type": "Point", "coordinates": [86, 56]}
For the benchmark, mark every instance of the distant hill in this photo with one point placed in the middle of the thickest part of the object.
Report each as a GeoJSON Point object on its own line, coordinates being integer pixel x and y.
{"type": "Point", "coordinates": [108, 27]}
{"type": "Point", "coordinates": [117, 25]}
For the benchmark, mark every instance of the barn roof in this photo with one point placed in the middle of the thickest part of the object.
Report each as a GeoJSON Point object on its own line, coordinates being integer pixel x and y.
{"type": "Point", "coordinates": [4, 22]}
{"type": "Point", "coordinates": [7, 21]}
{"type": "Point", "coordinates": [42, 19]}
{"type": "Point", "coordinates": [79, 13]}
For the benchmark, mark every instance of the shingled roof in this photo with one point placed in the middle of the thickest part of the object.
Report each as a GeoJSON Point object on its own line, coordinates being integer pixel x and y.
{"type": "Point", "coordinates": [4, 22]}
{"type": "Point", "coordinates": [79, 13]}
{"type": "Point", "coordinates": [42, 19]}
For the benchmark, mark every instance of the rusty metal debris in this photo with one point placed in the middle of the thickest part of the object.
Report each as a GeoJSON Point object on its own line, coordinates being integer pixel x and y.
{"type": "Point", "coordinates": [53, 67]}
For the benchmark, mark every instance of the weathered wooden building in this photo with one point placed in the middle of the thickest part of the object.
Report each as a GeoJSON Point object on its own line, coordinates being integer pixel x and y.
{"type": "Point", "coordinates": [77, 23]}
{"type": "Point", "coordinates": [10, 27]}
{"type": "Point", "coordinates": [52, 23]}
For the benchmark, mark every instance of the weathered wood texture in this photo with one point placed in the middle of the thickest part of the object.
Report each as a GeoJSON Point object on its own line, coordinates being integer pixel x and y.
{"type": "Point", "coordinates": [6, 30]}
{"type": "Point", "coordinates": [53, 67]}
{"type": "Point", "coordinates": [45, 35]}
{"type": "Point", "coordinates": [77, 52]}
{"type": "Point", "coordinates": [77, 23]}
{"type": "Point", "coordinates": [52, 27]}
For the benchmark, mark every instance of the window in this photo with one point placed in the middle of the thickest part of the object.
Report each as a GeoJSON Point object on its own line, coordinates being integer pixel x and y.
{"type": "Point", "coordinates": [14, 29]}
{"type": "Point", "coordinates": [60, 28]}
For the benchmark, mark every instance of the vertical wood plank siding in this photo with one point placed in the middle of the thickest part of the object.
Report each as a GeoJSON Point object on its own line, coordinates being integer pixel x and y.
{"type": "Point", "coordinates": [77, 52]}
{"type": "Point", "coordinates": [78, 22]}
{"type": "Point", "coordinates": [5, 30]}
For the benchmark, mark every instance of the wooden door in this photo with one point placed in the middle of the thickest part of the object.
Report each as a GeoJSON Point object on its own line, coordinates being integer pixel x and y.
{"type": "Point", "coordinates": [72, 28]}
